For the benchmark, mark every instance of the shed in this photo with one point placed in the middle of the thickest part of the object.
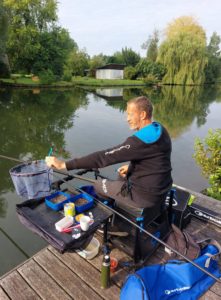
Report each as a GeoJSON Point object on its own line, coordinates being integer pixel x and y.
{"type": "Point", "coordinates": [110, 71]}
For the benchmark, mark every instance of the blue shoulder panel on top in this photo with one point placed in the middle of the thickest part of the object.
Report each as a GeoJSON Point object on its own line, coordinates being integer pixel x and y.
{"type": "Point", "coordinates": [150, 133]}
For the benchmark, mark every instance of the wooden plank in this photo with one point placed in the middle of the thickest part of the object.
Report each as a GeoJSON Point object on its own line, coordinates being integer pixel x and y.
{"type": "Point", "coordinates": [16, 287]}
{"type": "Point", "coordinates": [87, 273]}
{"type": "Point", "coordinates": [119, 276]}
{"type": "Point", "coordinates": [41, 282]}
{"type": "Point", "coordinates": [3, 295]}
{"type": "Point", "coordinates": [216, 288]}
{"type": "Point", "coordinates": [71, 283]}
{"type": "Point", "coordinates": [210, 296]}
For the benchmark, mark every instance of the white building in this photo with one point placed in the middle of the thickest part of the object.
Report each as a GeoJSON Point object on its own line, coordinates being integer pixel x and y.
{"type": "Point", "coordinates": [110, 71]}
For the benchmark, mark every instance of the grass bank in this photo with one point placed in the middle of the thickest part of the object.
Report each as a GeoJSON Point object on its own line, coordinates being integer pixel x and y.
{"type": "Point", "coordinates": [76, 81]}
{"type": "Point", "coordinates": [26, 82]}
{"type": "Point", "coordinates": [87, 81]}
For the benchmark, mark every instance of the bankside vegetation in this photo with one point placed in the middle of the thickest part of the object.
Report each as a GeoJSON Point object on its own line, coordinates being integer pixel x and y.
{"type": "Point", "coordinates": [208, 157]}
{"type": "Point", "coordinates": [32, 42]}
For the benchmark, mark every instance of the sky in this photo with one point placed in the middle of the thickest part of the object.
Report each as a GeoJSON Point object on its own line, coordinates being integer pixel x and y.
{"type": "Point", "coordinates": [104, 26]}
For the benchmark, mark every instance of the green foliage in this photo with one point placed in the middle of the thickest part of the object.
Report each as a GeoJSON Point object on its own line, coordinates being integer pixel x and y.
{"type": "Point", "coordinates": [54, 48]}
{"type": "Point", "coordinates": [183, 52]}
{"type": "Point", "coordinates": [98, 61]}
{"type": "Point", "coordinates": [35, 42]}
{"type": "Point", "coordinates": [150, 79]}
{"type": "Point", "coordinates": [4, 65]}
{"type": "Point", "coordinates": [116, 58]}
{"type": "Point", "coordinates": [47, 77]}
{"type": "Point", "coordinates": [126, 56]}
{"type": "Point", "coordinates": [130, 73]}
{"type": "Point", "coordinates": [213, 68]}
{"type": "Point", "coordinates": [130, 57]}
{"type": "Point", "coordinates": [208, 157]}
{"type": "Point", "coordinates": [67, 76]}
{"type": "Point", "coordinates": [78, 62]}
{"type": "Point", "coordinates": [146, 67]}
{"type": "Point", "coordinates": [3, 27]}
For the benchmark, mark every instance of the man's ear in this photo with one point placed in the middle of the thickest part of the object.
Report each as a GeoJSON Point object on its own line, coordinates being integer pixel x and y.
{"type": "Point", "coordinates": [143, 115]}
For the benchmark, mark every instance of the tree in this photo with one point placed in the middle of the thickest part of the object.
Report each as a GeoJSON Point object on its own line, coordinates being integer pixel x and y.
{"type": "Point", "coordinates": [28, 18]}
{"type": "Point", "coordinates": [151, 45]}
{"type": "Point", "coordinates": [183, 52]}
{"type": "Point", "coordinates": [130, 57]}
{"type": "Point", "coordinates": [4, 65]}
{"type": "Point", "coordinates": [78, 62]}
{"type": "Point", "coordinates": [213, 69]}
{"type": "Point", "coordinates": [35, 41]}
{"type": "Point", "coordinates": [116, 58]}
{"type": "Point", "coordinates": [98, 61]}
{"type": "Point", "coordinates": [54, 48]}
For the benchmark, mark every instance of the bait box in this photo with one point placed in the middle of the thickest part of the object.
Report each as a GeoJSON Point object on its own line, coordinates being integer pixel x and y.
{"type": "Point", "coordinates": [57, 206]}
{"type": "Point", "coordinates": [83, 207]}
{"type": "Point", "coordinates": [64, 223]}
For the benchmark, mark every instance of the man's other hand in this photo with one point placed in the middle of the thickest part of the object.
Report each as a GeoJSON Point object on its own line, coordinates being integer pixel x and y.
{"type": "Point", "coordinates": [123, 170]}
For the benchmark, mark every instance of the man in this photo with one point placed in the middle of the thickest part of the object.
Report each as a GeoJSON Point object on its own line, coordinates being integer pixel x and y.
{"type": "Point", "coordinates": [147, 179]}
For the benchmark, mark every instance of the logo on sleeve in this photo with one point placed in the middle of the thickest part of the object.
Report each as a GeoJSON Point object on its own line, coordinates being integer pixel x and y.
{"type": "Point", "coordinates": [117, 149]}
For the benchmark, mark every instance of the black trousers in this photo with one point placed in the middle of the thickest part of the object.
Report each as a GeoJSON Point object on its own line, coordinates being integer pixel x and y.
{"type": "Point", "coordinates": [150, 204]}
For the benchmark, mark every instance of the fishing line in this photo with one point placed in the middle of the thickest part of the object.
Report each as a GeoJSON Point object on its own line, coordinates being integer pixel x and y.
{"type": "Point", "coordinates": [14, 243]}
{"type": "Point", "coordinates": [122, 216]}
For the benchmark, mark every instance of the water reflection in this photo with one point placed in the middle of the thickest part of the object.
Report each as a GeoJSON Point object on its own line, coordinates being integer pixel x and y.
{"type": "Point", "coordinates": [111, 93]}
{"type": "Point", "coordinates": [179, 106]}
{"type": "Point", "coordinates": [174, 106]}
{"type": "Point", "coordinates": [30, 123]}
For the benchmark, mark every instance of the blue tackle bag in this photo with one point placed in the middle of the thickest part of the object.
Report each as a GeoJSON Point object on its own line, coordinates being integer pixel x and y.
{"type": "Point", "coordinates": [175, 280]}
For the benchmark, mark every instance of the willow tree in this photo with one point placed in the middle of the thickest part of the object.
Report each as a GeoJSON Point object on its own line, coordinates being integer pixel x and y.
{"type": "Point", "coordinates": [183, 52]}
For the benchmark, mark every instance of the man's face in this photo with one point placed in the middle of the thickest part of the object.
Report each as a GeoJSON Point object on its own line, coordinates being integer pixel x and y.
{"type": "Point", "coordinates": [133, 117]}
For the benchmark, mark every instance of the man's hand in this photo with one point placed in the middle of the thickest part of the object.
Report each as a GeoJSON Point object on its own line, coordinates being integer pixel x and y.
{"type": "Point", "coordinates": [123, 170]}
{"type": "Point", "coordinates": [53, 162]}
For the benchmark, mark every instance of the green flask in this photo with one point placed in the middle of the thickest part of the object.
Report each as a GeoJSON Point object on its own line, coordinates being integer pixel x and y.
{"type": "Point", "coordinates": [105, 272]}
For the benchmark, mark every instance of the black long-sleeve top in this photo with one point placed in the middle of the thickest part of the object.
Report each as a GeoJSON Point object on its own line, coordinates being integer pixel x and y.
{"type": "Point", "coordinates": [149, 152]}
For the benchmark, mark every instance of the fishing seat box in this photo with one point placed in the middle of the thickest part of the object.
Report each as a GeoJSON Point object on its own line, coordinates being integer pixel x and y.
{"type": "Point", "coordinates": [181, 213]}
{"type": "Point", "coordinates": [138, 244]}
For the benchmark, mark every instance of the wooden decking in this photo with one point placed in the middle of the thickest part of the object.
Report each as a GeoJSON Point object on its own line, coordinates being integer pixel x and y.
{"type": "Point", "coordinates": [51, 275]}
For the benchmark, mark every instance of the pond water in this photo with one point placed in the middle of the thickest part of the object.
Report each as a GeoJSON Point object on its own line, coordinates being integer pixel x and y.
{"type": "Point", "coordinates": [77, 122]}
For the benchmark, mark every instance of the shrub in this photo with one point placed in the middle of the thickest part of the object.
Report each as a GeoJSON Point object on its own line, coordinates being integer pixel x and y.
{"type": "Point", "coordinates": [208, 157]}
{"type": "Point", "coordinates": [47, 77]}
{"type": "Point", "coordinates": [130, 73]}
{"type": "Point", "coordinates": [67, 76]}
{"type": "Point", "coordinates": [150, 80]}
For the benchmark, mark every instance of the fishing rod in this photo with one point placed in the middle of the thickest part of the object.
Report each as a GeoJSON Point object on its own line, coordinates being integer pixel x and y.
{"type": "Point", "coordinates": [14, 243]}
{"type": "Point", "coordinates": [123, 217]}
